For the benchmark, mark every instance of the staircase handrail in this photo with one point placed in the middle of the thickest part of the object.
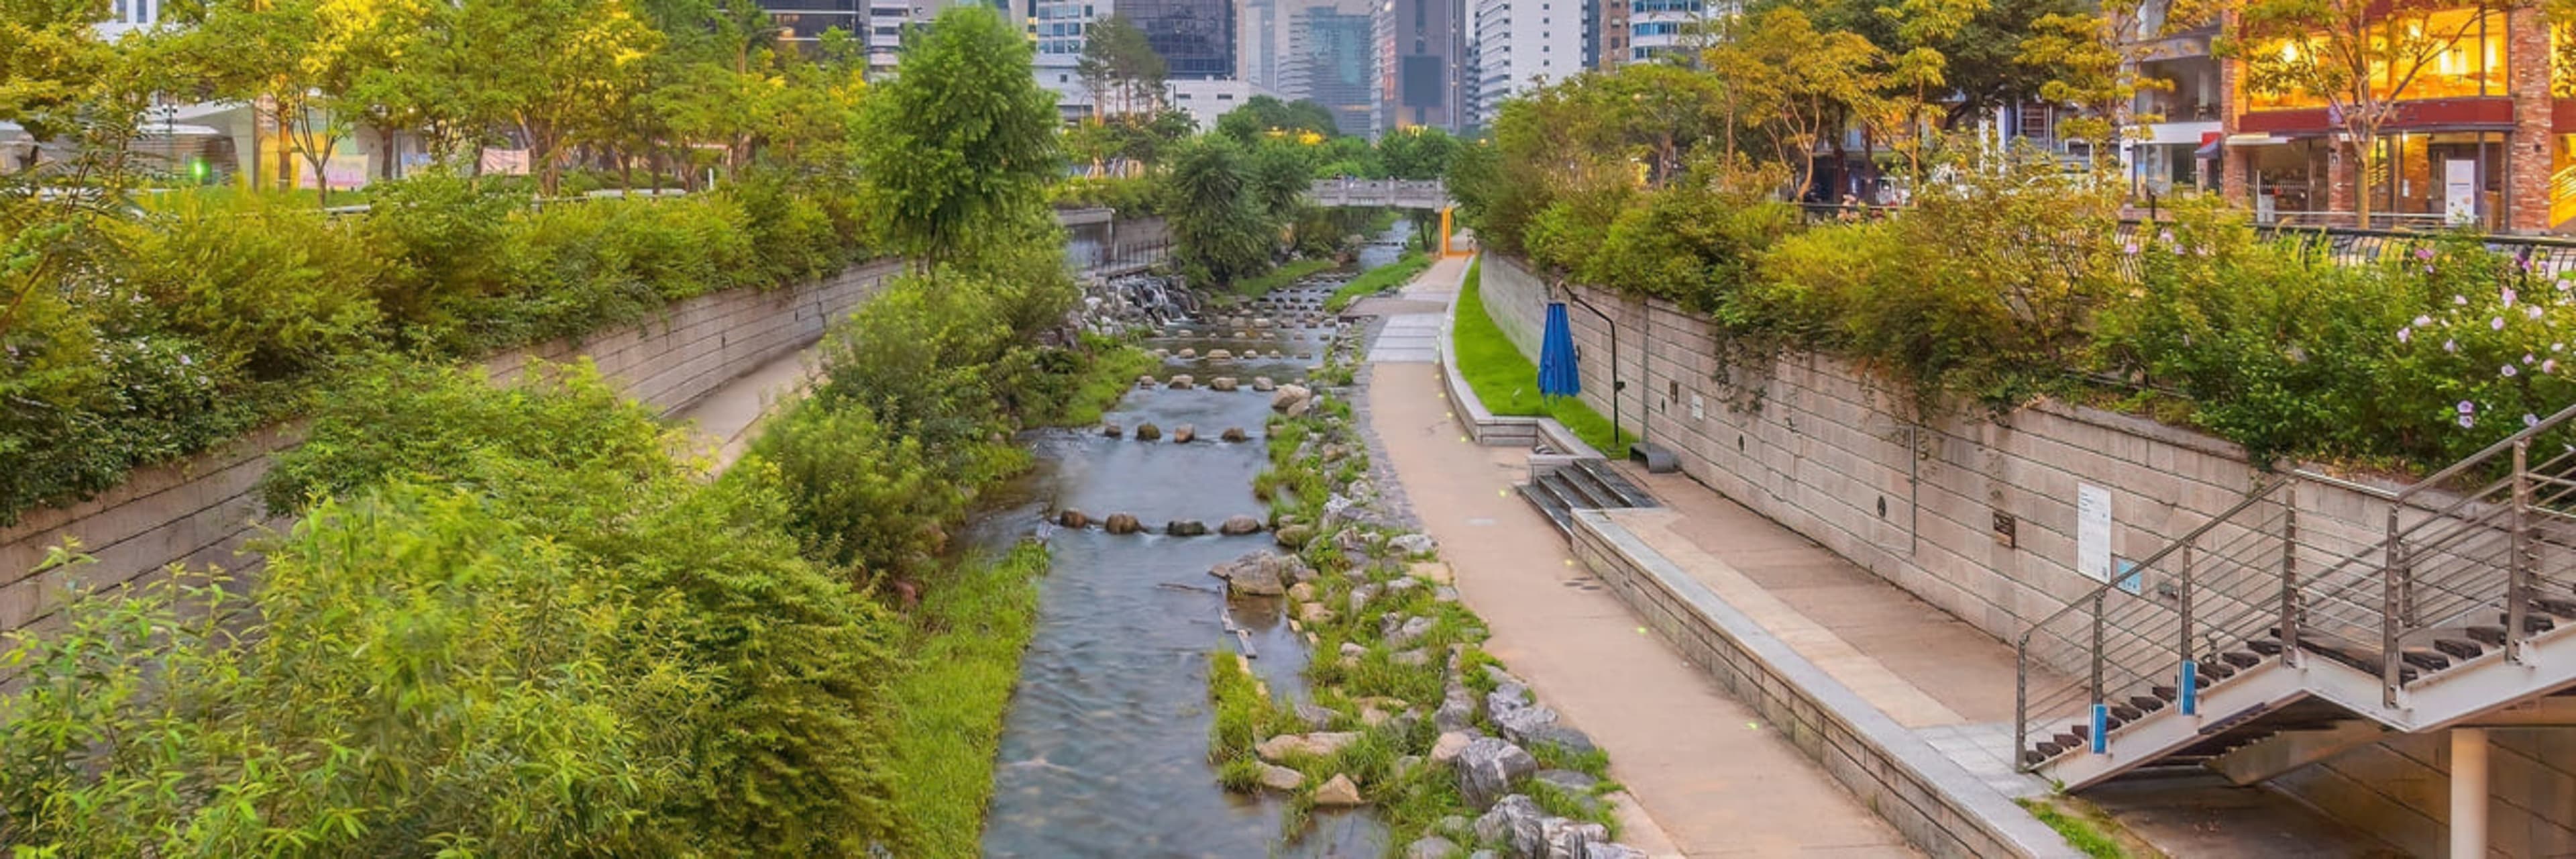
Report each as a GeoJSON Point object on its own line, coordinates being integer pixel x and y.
{"type": "Point", "coordinates": [2095, 595]}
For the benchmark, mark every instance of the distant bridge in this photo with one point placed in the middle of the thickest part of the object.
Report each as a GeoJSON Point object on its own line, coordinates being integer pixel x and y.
{"type": "Point", "coordinates": [1381, 193]}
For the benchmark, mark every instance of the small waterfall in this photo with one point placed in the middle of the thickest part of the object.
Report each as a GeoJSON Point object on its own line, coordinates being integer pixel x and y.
{"type": "Point", "coordinates": [1147, 301]}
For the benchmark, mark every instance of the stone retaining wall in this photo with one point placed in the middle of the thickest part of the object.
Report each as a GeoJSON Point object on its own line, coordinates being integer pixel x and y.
{"type": "Point", "coordinates": [1828, 451]}
{"type": "Point", "coordinates": [199, 510]}
{"type": "Point", "coordinates": [1939, 806]}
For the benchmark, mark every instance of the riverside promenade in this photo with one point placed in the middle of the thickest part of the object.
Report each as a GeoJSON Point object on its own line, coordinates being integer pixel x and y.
{"type": "Point", "coordinates": [1714, 776]}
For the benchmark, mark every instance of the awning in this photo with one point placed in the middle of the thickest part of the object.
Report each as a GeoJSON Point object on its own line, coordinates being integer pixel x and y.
{"type": "Point", "coordinates": [1557, 376]}
{"type": "Point", "coordinates": [156, 129]}
{"type": "Point", "coordinates": [2256, 139]}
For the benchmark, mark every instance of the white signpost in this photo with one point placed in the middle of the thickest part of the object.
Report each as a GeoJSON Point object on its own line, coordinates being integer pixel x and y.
{"type": "Point", "coordinates": [2093, 531]}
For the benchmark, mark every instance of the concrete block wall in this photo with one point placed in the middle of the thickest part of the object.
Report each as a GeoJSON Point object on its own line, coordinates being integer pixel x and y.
{"type": "Point", "coordinates": [1831, 452]}
{"type": "Point", "coordinates": [198, 511]}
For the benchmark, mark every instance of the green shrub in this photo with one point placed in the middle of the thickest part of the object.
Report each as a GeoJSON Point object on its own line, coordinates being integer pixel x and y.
{"type": "Point", "coordinates": [489, 640]}
{"type": "Point", "coordinates": [964, 643]}
{"type": "Point", "coordinates": [399, 419]}
{"type": "Point", "coordinates": [860, 495]}
{"type": "Point", "coordinates": [438, 232]}
{"type": "Point", "coordinates": [269, 289]}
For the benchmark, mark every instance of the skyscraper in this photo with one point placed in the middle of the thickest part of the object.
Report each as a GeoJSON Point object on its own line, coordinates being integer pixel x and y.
{"type": "Point", "coordinates": [1518, 42]}
{"type": "Point", "coordinates": [1420, 46]}
{"type": "Point", "coordinates": [1329, 60]}
{"type": "Point", "coordinates": [1194, 37]}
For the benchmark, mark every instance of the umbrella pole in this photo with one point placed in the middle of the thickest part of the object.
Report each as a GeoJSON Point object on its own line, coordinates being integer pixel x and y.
{"type": "Point", "coordinates": [1616, 385]}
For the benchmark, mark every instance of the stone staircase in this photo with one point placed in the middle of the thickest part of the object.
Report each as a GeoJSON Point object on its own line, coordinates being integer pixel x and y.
{"type": "Point", "coordinates": [1568, 484]}
{"type": "Point", "coordinates": [2265, 645]}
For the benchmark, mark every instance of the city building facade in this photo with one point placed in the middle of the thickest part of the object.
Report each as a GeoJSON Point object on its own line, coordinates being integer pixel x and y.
{"type": "Point", "coordinates": [2482, 136]}
{"type": "Point", "coordinates": [1421, 49]}
{"type": "Point", "coordinates": [1330, 61]}
{"type": "Point", "coordinates": [1518, 45]}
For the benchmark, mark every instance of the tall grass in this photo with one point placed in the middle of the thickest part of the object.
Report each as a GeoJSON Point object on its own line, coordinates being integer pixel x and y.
{"type": "Point", "coordinates": [965, 645]}
{"type": "Point", "coordinates": [1371, 281]}
{"type": "Point", "coordinates": [1256, 287]}
{"type": "Point", "coordinates": [1507, 382]}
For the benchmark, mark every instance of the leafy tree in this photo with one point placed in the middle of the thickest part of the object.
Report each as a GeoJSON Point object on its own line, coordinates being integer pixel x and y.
{"type": "Point", "coordinates": [2087, 55]}
{"type": "Point", "coordinates": [1119, 67]}
{"type": "Point", "coordinates": [1262, 115]}
{"type": "Point", "coordinates": [301, 61]}
{"type": "Point", "coordinates": [1795, 83]}
{"type": "Point", "coordinates": [1417, 153]}
{"type": "Point", "coordinates": [2361, 57]}
{"type": "Point", "coordinates": [554, 73]}
{"type": "Point", "coordinates": [962, 135]}
{"type": "Point", "coordinates": [1219, 233]}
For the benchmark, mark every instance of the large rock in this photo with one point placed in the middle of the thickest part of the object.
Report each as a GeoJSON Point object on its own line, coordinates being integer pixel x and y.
{"type": "Point", "coordinates": [1233, 435]}
{"type": "Point", "coordinates": [1446, 748]}
{"type": "Point", "coordinates": [1406, 632]}
{"type": "Point", "coordinates": [1339, 792]}
{"type": "Point", "coordinates": [1112, 429]}
{"type": "Point", "coordinates": [1291, 399]}
{"type": "Point", "coordinates": [1318, 717]}
{"type": "Point", "coordinates": [1294, 536]}
{"type": "Point", "coordinates": [1219, 355]}
{"type": "Point", "coordinates": [1431, 847]}
{"type": "Point", "coordinates": [1457, 709]}
{"type": "Point", "coordinates": [1072, 518]}
{"type": "Point", "coordinates": [1122, 523]}
{"type": "Point", "coordinates": [1488, 766]}
{"type": "Point", "coordinates": [1360, 596]}
{"type": "Point", "coordinates": [1413, 545]}
{"type": "Point", "coordinates": [1186, 528]}
{"type": "Point", "coordinates": [1258, 574]}
{"type": "Point", "coordinates": [1320, 744]}
{"type": "Point", "coordinates": [1563, 739]}
{"type": "Point", "coordinates": [1184, 434]}
{"type": "Point", "coordinates": [1517, 823]}
{"type": "Point", "coordinates": [1148, 432]}
{"type": "Point", "coordinates": [1181, 382]}
{"type": "Point", "coordinates": [1571, 839]}
{"type": "Point", "coordinates": [1263, 383]}
{"type": "Point", "coordinates": [1517, 722]}
{"type": "Point", "coordinates": [1611, 850]}
{"type": "Point", "coordinates": [1302, 592]}
{"type": "Point", "coordinates": [1281, 779]}
{"type": "Point", "coordinates": [1238, 525]}
{"type": "Point", "coordinates": [1221, 383]}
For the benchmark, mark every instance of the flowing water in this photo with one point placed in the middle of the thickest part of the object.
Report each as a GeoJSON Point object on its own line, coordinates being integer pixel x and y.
{"type": "Point", "coordinates": [1104, 751]}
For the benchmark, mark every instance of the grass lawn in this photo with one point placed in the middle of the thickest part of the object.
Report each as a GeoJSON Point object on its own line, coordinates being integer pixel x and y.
{"type": "Point", "coordinates": [1381, 277]}
{"type": "Point", "coordinates": [1506, 380]}
{"type": "Point", "coordinates": [965, 645]}
{"type": "Point", "coordinates": [1281, 276]}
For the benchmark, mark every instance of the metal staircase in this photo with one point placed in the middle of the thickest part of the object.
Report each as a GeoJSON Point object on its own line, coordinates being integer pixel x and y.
{"type": "Point", "coordinates": [2271, 618]}
{"type": "Point", "coordinates": [1585, 483]}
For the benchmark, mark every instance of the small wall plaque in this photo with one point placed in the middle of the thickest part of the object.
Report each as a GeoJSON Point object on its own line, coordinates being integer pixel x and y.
{"type": "Point", "coordinates": [2005, 525]}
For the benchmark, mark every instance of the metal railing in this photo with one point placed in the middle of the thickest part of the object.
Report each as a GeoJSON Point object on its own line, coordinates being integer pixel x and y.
{"type": "Point", "coordinates": [2466, 553]}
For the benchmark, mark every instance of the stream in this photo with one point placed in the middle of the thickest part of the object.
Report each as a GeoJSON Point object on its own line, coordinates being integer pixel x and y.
{"type": "Point", "coordinates": [1105, 749]}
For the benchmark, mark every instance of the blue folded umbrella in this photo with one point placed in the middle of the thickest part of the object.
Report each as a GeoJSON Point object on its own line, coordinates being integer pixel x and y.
{"type": "Point", "coordinates": [1557, 376]}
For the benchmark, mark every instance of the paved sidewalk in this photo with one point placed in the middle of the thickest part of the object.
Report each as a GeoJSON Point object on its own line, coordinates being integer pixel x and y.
{"type": "Point", "coordinates": [1708, 772]}
{"type": "Point", "coordinates": [724, 419]}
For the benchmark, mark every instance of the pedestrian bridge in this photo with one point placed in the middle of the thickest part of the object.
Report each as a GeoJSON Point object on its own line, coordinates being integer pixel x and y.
{"type": "Point", "coordinates": [1382, 193]}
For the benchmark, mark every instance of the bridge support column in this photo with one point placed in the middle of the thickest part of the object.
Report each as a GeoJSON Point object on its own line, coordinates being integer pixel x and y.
{"type": "Point", "coordinates": [2468, 793]}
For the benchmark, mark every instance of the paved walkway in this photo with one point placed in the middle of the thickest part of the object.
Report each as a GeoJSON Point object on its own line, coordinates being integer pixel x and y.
{"type": "Point", "coordinates": [1707, 771]}
{"type": "Point", "coordinates": [724, 418]}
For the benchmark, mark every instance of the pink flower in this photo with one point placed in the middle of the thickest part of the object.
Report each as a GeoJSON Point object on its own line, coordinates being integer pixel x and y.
{"type": "Point", "coordinates": [2467, 407]}
{"type": "Point", "coordinates": [2549, 366]}
{"type": "Point", "coordinates": [2507, 371]}
{"type": "Point", "coordinates": [2526, 359]}
{"type": "Point", "coordinates": [2450, 345]}
{"type": "Point", "coordinates": [2508, 296]}
{"type": "Point", "coordinates": [2130, 249]}
{"type": "Point", "coordinates": [2424, 253]}
{"type": "Point", "coordinates": [2460, 300]}
{"type": "Point", "coordinates": [2496, 323]}
{"type": "Point", "coordinates": [2422, 321]}
{"type": "Point", "coordinates": [2531, 311]}
{"type": "Point", "coordinates": [2405, 335]}
{"type": "Point", "coordinates": [2530, 420]}
{"type": "Point", "coordinates": [2467, 422]}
